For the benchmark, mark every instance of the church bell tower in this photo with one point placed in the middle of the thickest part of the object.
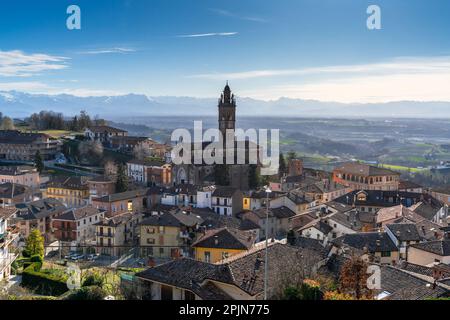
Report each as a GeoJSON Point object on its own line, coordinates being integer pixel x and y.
{"type": "Point", "coordinates": [227, 111]}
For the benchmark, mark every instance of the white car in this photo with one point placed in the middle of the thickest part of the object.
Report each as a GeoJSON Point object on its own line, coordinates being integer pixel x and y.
{"type": "Point", "coordinates": [70, 255]}
{"type": "Point", "coordinates": [92, 257]}
{"type": "Point", "coordinates": [77, 257]}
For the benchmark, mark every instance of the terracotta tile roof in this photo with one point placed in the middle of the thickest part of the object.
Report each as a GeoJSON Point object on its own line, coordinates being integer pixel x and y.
{"type": "Point", "coordinates": [79, 213]}
{"type": "Point", "coordinates": [17, 137]}
{"type": "Point", "coordinates": [244, 271]}
{"type": "Point", "coordinates": [172, 219]}
{"type": "Point", "coordinates": [74, 183]}
{"type": "Point", "coordinates": [400, 285]}
{"type": "Point", "coordinates": [224, 191]}
{"type": "Point", "coordinates": [372, 241]}
{"type": "Point", "coordinates": [122, 196]}
{"type": "Point", "coordinates": [439, 247]}
{"type": "Point", "coordinates": [10, 190]}
{"type": "Point", "coordinates": [392, 213]}
{"type": "Point", "coordinates": [40, 209]}
{"type": "Point", "coordinates": [364, 169]}
{"type": "Point", "coordinates": [103, 129]}
{"type": "Point", "coordinates": [405, 231]}
{"type": "Point", "coordinates": [282, 212]}
{"type": "Point", "coordinates": [190, 274]}
{"type": "Point", "coordinates": [226, 239]}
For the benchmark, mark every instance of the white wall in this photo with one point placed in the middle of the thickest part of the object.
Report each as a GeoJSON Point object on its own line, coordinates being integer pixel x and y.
{"type": "Point", "coordinates": [339, 229]}
{"type": "Point", "coordinates": [204, 199]}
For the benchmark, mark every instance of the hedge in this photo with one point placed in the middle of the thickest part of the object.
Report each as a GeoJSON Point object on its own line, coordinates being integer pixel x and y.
{"type": "Point", "coordinates": [41, 283]}
{"type": "Point", "coordinates": [86, 293]}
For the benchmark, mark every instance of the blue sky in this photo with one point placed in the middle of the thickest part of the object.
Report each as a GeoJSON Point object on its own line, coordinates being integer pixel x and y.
{"type": "Point", "coordinates": [312, 49]}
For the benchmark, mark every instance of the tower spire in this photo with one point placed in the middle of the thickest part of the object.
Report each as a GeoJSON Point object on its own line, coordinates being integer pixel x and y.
{"type": "Point", "coordinates": [227, 110]}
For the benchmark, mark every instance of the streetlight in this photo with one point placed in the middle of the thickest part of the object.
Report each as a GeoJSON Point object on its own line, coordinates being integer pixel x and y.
{"type": "Point", "coordinates": [268, 191]}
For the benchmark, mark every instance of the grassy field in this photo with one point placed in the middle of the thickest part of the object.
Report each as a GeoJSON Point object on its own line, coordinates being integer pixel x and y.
{"type": "Point", "coordinates": [58, 172]}
{"type": "Point", "coordinates": [59, 133]}
{"type": "Point", "coordinates": [402, 168]}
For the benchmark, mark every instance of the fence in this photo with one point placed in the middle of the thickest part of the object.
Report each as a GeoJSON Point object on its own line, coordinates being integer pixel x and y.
{"type": "Point", "coordinates": [132, 256]}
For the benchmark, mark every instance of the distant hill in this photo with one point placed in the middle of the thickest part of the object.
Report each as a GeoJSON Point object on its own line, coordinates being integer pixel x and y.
{"type": "Point", "coordinates": [20, 104]}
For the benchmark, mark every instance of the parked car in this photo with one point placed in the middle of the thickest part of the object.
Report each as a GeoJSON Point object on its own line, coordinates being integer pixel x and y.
{"type": "Point", "coordinates": [70, 255]}
{"type": "Point", "coordinates": [52, 254]}
{"type": "Point", "coordinates": [77, 257]}
{"type": "Point", "coordinates": [92, 256]}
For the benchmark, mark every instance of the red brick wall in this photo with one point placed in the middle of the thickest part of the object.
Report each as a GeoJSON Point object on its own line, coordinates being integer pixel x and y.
{"type": "Point", "coordinates": [65, 230]}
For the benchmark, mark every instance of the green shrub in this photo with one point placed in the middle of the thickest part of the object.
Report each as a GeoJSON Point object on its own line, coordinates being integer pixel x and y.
{"type": "Point", "coordinates": [291, 293]}
{"type": "Point", "coordinates": [93, 280]}
{"type": "Point", "coordinates": [87, 293]}
{"type": "Point", "coordinates": [41, 282]}
{"type": "Point", "coordinates": [308, 290]}
{"type": "Point", "coordinates": [26, 253]}
{"type": "Point", "coordinates": [37, 258]}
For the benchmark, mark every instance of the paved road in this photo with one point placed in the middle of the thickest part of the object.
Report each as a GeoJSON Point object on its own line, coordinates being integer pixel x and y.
{"type": "Point", "coordinates": [51, 165]}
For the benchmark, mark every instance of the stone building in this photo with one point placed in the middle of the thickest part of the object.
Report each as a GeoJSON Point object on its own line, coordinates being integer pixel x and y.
{"type": "Point", "coordinates": [203, 174]}
{"type": "Point", "coordinates": [16, 145]}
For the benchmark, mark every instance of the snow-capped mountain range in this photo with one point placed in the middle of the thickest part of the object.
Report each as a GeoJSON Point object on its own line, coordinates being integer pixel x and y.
{"type": "Point", "coordinates": [19, 104]}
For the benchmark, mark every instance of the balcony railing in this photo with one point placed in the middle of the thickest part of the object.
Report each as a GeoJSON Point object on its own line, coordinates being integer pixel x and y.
{"type": "Point", "coordinates": [7, 238]}
{"type": "Point", "coordinates": [7, 261]}
{"type": "Point", "coordinates": [103, 234]}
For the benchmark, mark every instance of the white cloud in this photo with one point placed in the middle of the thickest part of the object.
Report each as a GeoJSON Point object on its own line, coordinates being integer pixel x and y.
{"type": "Point", "coordinates": [83, 92]}
{"type": "Point", "coordinates": [370, 89]}
{"type": "Point", "coordinates": [213, 34]}
{"type": "Point", "coordinates": [417, 79]}
{"type": "Point", "coordinates": [37, 87]}
{"type": "Point", "coordinates": [400, 65]}
{"type": "Point", "coordinates": [19, 64]}
{"type": "Point", "coordinates": [227, 13]}
{"type": "Point", "coordinates": [109, 51]}
{"type": "Point", "coordinates": [30, 86]}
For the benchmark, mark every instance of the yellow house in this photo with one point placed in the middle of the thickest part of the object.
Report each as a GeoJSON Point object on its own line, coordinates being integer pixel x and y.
{"type": "Point", "coordinates": [216, 245]}
{"type": "Point", "coordinates": [168, 235]}
{"type": "Point", "coordinates": [72, 191]}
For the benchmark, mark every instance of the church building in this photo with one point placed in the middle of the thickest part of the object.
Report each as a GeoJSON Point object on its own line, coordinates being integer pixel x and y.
{"type": "Point", "coordinates": [203, 174]}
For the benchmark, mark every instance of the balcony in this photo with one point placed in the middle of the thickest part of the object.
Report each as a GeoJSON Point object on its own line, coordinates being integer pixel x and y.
{"type": "Point", "coordinates": [106, 235]}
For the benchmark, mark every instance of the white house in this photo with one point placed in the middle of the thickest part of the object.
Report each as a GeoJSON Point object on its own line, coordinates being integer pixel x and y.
{"type": "Point", "coordinates": [403, 235]}
{"type": "Point", "coordinates": [204, 198]}
{"type": "Point", "coordinates": [6, 238]}
{"type": "Point", "coordinates": [318, 230]}
{"type": "Point", "coordinates": [227, 201]}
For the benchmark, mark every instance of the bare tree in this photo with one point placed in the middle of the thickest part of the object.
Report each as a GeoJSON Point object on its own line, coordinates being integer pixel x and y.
{"type": "Point", "coordinates": [90, 151]}
{"type": "Point", "coordinates": [353, 278]}
{"type": "Point", "coordinates": [141, 151]}
{"type": "Point", "coordinates": [111, 169]}
{"type": "Point", "coordinates": [293, 270]}
{"type": "Point", "coordinates": [7, 124]}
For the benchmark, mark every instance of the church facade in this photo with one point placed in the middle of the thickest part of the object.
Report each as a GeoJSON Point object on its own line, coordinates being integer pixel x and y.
{"type": "Point", "coordinates": [202, 174]}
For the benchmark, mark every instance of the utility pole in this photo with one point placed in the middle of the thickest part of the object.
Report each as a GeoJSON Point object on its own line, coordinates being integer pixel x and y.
{"type": "Point", "coordinates": [266, 262]}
